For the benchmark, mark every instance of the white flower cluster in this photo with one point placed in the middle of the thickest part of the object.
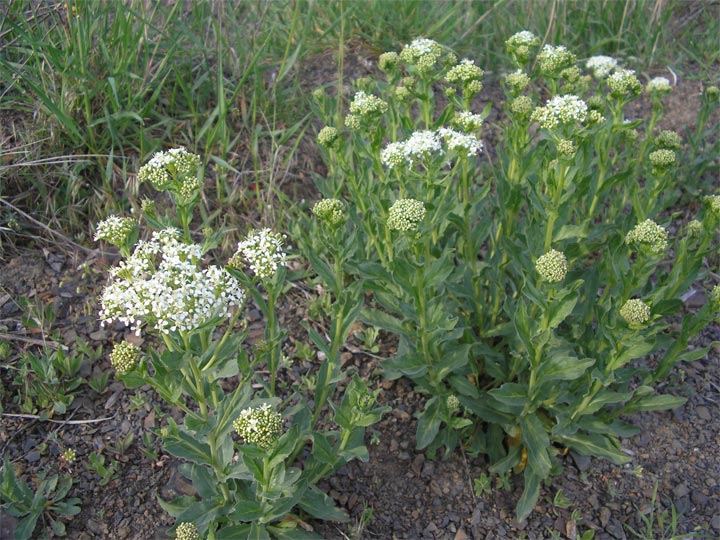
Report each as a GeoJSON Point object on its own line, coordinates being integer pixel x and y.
{"type": "Point", "coordinates": [364, 104]}
{"type": "Point", "coordinates": [464, 72]}
{"type": "Point", "coordinates": [649, 233]}
{"type": "Point", "coordinates": [422, 53]}
{"type": "Point", "coordinates": [658, 85]}
{"type": "Point", "coordinates": [164, 167]}
{"type": "Point", "coordinates": [424, 144]}
{"type": "Point", "coordinates": [161, 285]}
{"type": "Point", "coordinates": [552, 59]}
{"type": "Point", "coordinates": [623, 82]}
{"type": "Point", "coordinates": [115, 230]}
{"type": "Point", "coordinates": [263, 250]}
{"type": "Point", "coordinates": [467, 121]}
{"type": "Point", "coordinates": [520, 45]}
{"type": "Point", "coordinates": [462, 143]}
{"type": "Point", "coordinates": [561, 110]}
{"type": "Point", "coordinates": [405, 215]}
{"type": "Point", "coordinates": [260, 426]}
{"type": "Point", "coordinates": [601, 65]}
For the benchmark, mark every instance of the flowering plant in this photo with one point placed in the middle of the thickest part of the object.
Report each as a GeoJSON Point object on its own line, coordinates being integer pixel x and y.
{"type": "Point", "coordinates": [531, 295]}
{"type": "Point", "coordinates": [262, 481]}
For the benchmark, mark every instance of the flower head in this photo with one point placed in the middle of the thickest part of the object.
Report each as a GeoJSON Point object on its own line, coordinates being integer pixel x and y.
{"type": "Point", "coordinates": [161, 284]}
{"type": "Point", "coordinates": [658, 86]}
{"type": "Point", "coordinates": [520, 46]}
{"type": "Point", "coordinates": [566, 147]}
{"type": "Point", "coordinates": [635, 312]}
{"type": "Point", "coordinates": [553, 60]}
{"type": "Point", "coordinates": [601, 65]}
{"type": "Point", "coordinates": [423, 54]}
{"type": "Point", "coordinates": [115, 230]}
{"type": "Point", "coordinates": [467, 121]}
{"type": "Point", "coordinates": [522, 106]}
{"type": "Point", "coordinates": [263, 250]}
{"type": "Point", "coordinates": [713, 202]}
{"type": "Point", "coordinates": [260, 426]}
{"type": "Point", "coordinates": [420, 145]}
{"type": "Point", "coordinates": [453, 403]}
{"type": "Point", "coordinates": [68, 455]}
{"type": "Point", "coordinates": [715, 295]}
{"type": "Point", "coordinates": [623, 83]}
{"type": "Point", "coordinates": [517, 81]}
{"type": "Point", "coordinates": [405, 215]}
{"type": "Point", "coordinates": [662, 159]}
{"type": "Point", "coordinates": [561, 110]}
{"type": "Point", "coordinates": [649, 233]}
{"type": "Point", "coordinates": [668, 139]}
{"type": "Point", "coordinates": [552, 266]}
{"type": "Point", "coordinates": [328, 137]}
{"type": "Point", "coordinates": [124, 357]}
{"type": "Point", "coordinates": [464, 73]}
{"type": "Point", "coordinates": [187, 531]}
{"type": "Point", "coordinates": [463, 143]}
{"type": "Point", "coordinates": [331, 211]}
{"type": "Point", "coordinates": [388, 61]}
{"type": "Point", "coordinates": [365, 105]}
{"type": "Point", "coordinates": [174, 164]}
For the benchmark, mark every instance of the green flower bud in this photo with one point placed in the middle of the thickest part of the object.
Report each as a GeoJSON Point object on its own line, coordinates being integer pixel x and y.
{"type": "Point", "coordinates": [187, 531]}
{"type": "Point", "coordinates": [124, 357]}
{"type": "Point", "coordinates": [668, 139]}
{"type": "Point", "coordinates": [662, 159]}
{"type": "Point", "coordinates": [635, 312]}
{"type": "Point", "coordinates": [713, 202]}
{"type": "Point", "coordinates": [331, 211]}
{"type": "Point", "coordinates": [405, 215]}
{"type": "Point", "coordinates": [520, 46]}
{"type": "Point", "coordinates": [115, 230]}
{"type": "Point", "coordinates": [328, 137]}
{"type": "Point", "coordinates": [522, 106]}
{"type": "Point", "coordinates": [694, 228]}
{"type": "Point", "coordinates": [402, 93]}
{"type": "Point", "coordinates": [517, 81]}
{"type": "Point", "coordinates": [260, 426]}
{"type": "Point", "coordinates": [464, 73]}
{"type": "Point", "coordinates": [352, 122]}
{"type": "Point", "coordinates": [566, 148]}
{"type": "Point", "coordinates": [388, 61]}
{"type": "Point", "coordinates": [553, 60]}
{"type": "Point", "coordinates": [623, 83]}
{"type": "Point", "coordinates": [365, 105]}
{"type": "Point", "coordinates": [552, 266]}
{"type": "Point", "coordinates": [715, 296]}
{"type": "Point", "coordinates": [452, 403]}
{"type": "Point", "coordinates": [649, 233]}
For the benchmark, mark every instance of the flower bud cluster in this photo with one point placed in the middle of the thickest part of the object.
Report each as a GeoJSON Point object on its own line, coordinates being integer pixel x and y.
{"type": "Point", "coordinates": [187, 531]}
{"type": "Point", "coordinates": [124, 357]}
{"type": "Point", "coordinates": [561, 110]}
{"type": "Point", "coordinates": [164, 167]}
{"type": "Point", "coordinates": [263, 250]}
{"type": "Point", "coordinates": [668, 139]}
{"type": "Point", "coordinates": [365, 105]}
{"type": "Point", "coordinates": [328, 137]}
{"type": "Point", "coordinates": [452, 403]}
{"type": "Point", "coordinates": [713, 202]}
{"type": "Point", "coordinates": [635, 312]}
{"type": "Point", "coordinates": [388, 61]}
{"type": "Point", "coordinates": [463, 143]}
{"type": "Point", "coordinates": [552, 266]}
{"type": "Point", "coordinates": [715, 296]}
{"type": "Point", "coordinates": [423, 54]}
{"type": "Point", "coordinates": [331, 211]}
{"type": "Point", "coordinates": [467, 121]}
{"type": "Point", "coordinates": [161, 285]}
{"type": "Point", "coordinates": [517, 81]}
{"type": "Point", "coordinates": [522, 106]}
{"type": "Point", "coordinates": [405, 215]}
{"type": "Point", "coordinates": [553, 60]}
{"type": "Point", "coordinates": [520, 46]}
{"type": "Point", "coordinates": [69, 455]}
{"type": "Point", "coordinates": [649, 233]}
{"type": "Point", "coordinates": [658, 86]}
{"type": "Point", "coordinates": [662, 159]}
{"type": "Point", "coordinates": [115, 230]}
{"type": "Point", "coordinates": [623, 83]}
{"type": "Point", "coordinates": [601, 65]}
{"type": "Point", "coordinates": [566, 147]}
{"type": "Point", "coordinates": [694, 228]}
{"type": "Point", "coordinates": [260, 426]}
{"type": "Point", "coordinates": [467, 75]}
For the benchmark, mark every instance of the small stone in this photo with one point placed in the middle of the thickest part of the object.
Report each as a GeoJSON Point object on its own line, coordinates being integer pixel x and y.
{"type": "Point", "coordinates": [32, 456]}
{"type": "Point", "coordinates": [604, 516]}
{"type": "Point", "coordinates": [681, 490]}
{"type": "Point", "coordinates": [715, 522]}
{"type": "Point", "coordinates": [703, 412]}
{"type": "Point", "coordinates": [581, 462]}
{"type": "Point", "coordinates": [461, 535]}
{"type": "Point", "coordinates": [98, 335]}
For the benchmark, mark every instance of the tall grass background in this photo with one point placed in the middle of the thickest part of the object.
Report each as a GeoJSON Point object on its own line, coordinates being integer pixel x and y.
{"type": "Point", "coordinates": [90, 89]}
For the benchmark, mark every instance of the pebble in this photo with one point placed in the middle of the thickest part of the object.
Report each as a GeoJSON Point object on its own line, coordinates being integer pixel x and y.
{"type": "Point", "coordinates": [703, 412]}
{"type": "Point", "coordinates": [715, 522]}
{"type": "Point", "coordinates": [681, 490]}
{"type": "Point", "coordinates": [98, 335]}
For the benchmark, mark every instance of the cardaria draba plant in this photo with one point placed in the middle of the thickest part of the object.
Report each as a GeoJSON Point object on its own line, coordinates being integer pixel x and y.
{"type": "Point", "coordinates": [253, 455]}
{"type": "Point", "coordinates": [530, 293]}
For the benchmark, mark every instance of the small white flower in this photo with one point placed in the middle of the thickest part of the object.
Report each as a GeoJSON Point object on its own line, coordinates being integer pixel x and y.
{"type": "Point", "coordinates": [601, 66]}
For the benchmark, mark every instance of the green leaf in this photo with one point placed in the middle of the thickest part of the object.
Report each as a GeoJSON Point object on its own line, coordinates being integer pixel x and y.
{"type": "Point", "coordinates": [657, 402]}
{"type": "Point", "coordinates": [178, 505]}
{"type": "Point", "coordinates": [428, 423]}
{"type": "Point", "coordinates": [506, 463]}
{"type": "Point", "coordinates": [320, 506]}
{"type": "Point", "coordinates": [561, 312]}
{"type": "Point", "coordinates": [452, 361]}
{"type": "Point", "coordinates": [233, 532]}
{"type": "Point", "coordinates": [246, 510]}
{"type": "Point", "coordinates": [411, 365]}
{"type": "Point", "coordinates": [562, 368]}
{"type": "Point", "coordinates": [536, 442]}
{"type": "Point", "coordinates": [323, 270]}
{"type": "Point", "coordinates": [258, 532]}
{"type": "Point", "coordinates": [569, 231]}
{"type": "Point", "coordinates": [184, 446]}
{"type": "Point", "coordinates": [382, 320]}
{"type": "Point", "coordinates": [514, 395]}
{"type": "Point", "coordinates": [529, 496]}
{"type": "Point", "coordinates": [596, 445]}
{"type": "Point", "coordinates": [636, 349]}
{"type": "Point", "coordinates": [26, 526]}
